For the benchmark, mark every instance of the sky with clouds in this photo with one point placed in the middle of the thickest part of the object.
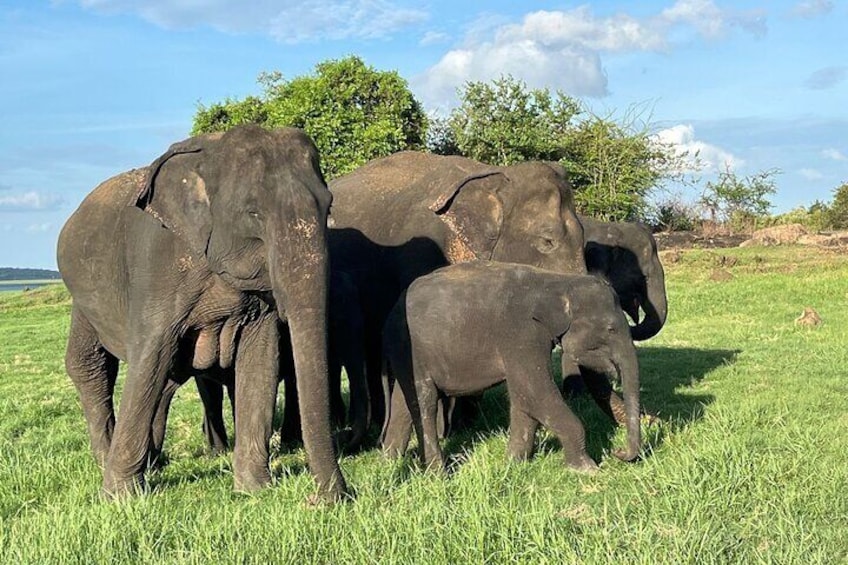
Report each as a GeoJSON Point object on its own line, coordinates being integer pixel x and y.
{"type": "Point", "coordinates": [95, 87]}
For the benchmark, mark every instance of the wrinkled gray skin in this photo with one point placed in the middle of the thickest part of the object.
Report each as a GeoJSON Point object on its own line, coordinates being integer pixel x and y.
{"type": "Point", "coordinates": [403, 216]}
{"type": "Point", "coordinates": [189, 265]}
{"type": "Point", "coordinates": [516, 314]}
{"type": "Point", "coordinates": [345, 350]}
{"type": "Point", "coordinates": [626, 255]}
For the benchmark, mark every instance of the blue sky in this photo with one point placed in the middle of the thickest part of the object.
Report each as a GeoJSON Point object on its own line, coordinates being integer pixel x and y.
{"type": "Point", "coordinates": [95, 87]}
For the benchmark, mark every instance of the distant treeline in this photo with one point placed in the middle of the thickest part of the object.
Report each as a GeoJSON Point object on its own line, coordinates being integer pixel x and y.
{"type": "Point", "coordinates": [15, 274]}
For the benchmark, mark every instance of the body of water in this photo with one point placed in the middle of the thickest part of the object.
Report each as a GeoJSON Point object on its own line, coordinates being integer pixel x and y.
{"type": "Point", "coordinates": [9, 286]}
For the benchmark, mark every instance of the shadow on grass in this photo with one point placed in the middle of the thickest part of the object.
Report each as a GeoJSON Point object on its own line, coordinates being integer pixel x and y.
{"type": "Point", "coordinates": [668, 376]}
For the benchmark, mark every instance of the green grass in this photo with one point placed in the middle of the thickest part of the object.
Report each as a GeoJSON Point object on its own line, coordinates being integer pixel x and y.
{"type": "Point", "coordinates": [749, 464]}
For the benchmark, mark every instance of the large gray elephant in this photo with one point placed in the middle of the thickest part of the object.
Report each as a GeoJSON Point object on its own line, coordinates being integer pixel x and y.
{"type": "Point", "coordinates": [465, 328]}
{"type": "Point", "coordinates": [625, 253]}
{"type": "Point", "coordinates": [403, 216]}
{"type": "Point", "coordinates": [190, 264]}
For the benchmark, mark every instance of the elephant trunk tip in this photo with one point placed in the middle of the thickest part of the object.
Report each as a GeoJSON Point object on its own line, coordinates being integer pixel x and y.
{"type": "Point", "coordinates": [647, 329]}
{"type": "Point", "coordinates": [628, 455]}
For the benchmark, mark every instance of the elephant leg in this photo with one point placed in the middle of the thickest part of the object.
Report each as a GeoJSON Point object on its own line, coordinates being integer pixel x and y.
{"type": "Point", "coordinates": [93, 370]}
{"type": "Point", "coordinates": [148, 368]}
{"type": "Point", "coordinates": [212, 396]}
{"type": "Point", "coordinates": [256, 380]}
{"type": "Point", "coordinates": [160, 424]}
{"type": "Point", "coordinates": [445, 419]}
{"type": "Point", "coordinates": [572, 381]}
{"type": "Point", "coordinates": [428, 397]}
{"type": "Point", "coordinates": [374, 375]}
{"type": "Point", "coordinates": [537, 396]}
{"type": "Point", "coordinates": [522, 432]}
{"type": "Point", "coordinates": [398, 426]}
{"type": "Point", "coordinates": [359, 412]}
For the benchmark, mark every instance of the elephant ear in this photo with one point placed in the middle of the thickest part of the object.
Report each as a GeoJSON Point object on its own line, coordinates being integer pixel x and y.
{"type": "Point", "coordinates": [474, 212]}
{"type": "Point", "coordinates": [553, 313]}
{"type": "Point", "coordinates": [175, 194]}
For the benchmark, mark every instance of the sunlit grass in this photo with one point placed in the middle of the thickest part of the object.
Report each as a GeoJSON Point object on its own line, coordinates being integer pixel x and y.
{"type": "Point", "coordinates": [748, 465]}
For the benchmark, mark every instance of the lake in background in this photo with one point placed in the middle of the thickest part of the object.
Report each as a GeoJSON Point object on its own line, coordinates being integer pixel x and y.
{"type": "Point", "coordinates": [8, 286]}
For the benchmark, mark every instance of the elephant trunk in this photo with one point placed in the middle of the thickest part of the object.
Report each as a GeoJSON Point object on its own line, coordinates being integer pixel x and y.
{"type": "Point", "coordinates": [300, 278]}
{"type": "Point", "coordinates": [655, 305]}
{"type": "Point", "coordinates": [629, 372]}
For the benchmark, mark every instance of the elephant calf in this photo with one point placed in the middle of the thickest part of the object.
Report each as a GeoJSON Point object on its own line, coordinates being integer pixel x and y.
{"type": "Point", "coordinates": [467, 327]}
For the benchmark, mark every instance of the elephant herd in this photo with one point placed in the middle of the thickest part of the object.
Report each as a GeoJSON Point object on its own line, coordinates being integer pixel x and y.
{"type": "Point", "coordinates": [432, 279]}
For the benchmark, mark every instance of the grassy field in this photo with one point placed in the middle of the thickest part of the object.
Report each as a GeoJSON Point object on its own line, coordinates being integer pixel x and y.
{"type": "Point", "coordinates": [749, 463]}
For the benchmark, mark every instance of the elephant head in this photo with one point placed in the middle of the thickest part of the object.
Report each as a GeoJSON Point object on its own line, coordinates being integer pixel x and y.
{"type": "Point", "coordinates": [626, 255]}
{"type": "Point", "coordinates": [253, 205]}
{"type": "Point", "coordinates": [598, 339]}
{"type": "Point", "coordinates": [523, 213]}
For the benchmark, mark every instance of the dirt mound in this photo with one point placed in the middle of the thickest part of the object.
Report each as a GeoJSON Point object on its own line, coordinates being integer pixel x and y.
{"type": "Point", "coordinates": [694, 240]}
{"type": "Point", "coordinates": [837, 239]}
{"type": "Point", "coordinates": [777, 235]}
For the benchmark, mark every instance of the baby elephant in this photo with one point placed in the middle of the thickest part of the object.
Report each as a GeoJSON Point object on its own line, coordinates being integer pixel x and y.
{"type": "Point", "coordinates": [470, 326]}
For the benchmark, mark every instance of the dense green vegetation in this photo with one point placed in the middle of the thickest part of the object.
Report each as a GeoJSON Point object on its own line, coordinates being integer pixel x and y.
{"type": "Point", "coordinates": [748, 464]}
{"type": "Point", "coordinates": [356, 113]}
{"type": "Point", "coordinates": [15, 274]}
{"type": "Point", "coordinates": [353, 112]}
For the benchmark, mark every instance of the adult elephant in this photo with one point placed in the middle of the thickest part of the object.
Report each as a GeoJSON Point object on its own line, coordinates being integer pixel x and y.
{"type": "Point", "coordinates": [625, 253]}
{"type": "Point", "coordinates": [190, 263]}
{"type": "Point", "coordinates": [403, 216]}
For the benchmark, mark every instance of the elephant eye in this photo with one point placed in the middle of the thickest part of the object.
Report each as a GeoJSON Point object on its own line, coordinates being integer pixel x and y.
{"type": "Point", "coordinates": [254, 214]}
{"type": "Point", "coordinates": [546, 244]}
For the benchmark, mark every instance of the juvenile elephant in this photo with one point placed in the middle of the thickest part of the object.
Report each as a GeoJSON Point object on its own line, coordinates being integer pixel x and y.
{"type": "Point", "coordinates": [467, 327]}
{"type": "Point", "coordinates": [403, 216]}
{"type": "Point", "coordinates": [189, 265]}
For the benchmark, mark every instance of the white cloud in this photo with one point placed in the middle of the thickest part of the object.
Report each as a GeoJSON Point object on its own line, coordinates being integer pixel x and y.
{"type": "Point", "coordinates": [812, 8]}
{"type": "Point", "coordinates": [287, 22]}
{"type": "Point", "coordinates": [433, 38]}
{"type": "Point", "coordinates": [811, 174]}
{"type": "Point", "coordinates": [29, 201]}
{"type": "Point", "coordinates": [699, 155]}
{"type": "Point", "coordinates": [834, 154]}
{"type": "Point", "coordinates": [564, 49]}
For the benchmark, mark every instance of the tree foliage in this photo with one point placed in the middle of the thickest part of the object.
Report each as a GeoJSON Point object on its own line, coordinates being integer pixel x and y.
{"type": "Point", "coordinates": [737, 200]}
{"type": "Point", "coordinates": [612, 165]}
{"type": "Point", "coordinates": [836, 214]}
{"type": "Point", "coordinates": [504, 122]}
{"type": "Point", "coordinates": [353, 112]}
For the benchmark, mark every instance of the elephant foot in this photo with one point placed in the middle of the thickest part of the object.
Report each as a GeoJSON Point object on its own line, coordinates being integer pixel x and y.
{"type": "Point", "coordinates": [583, 464]}
{"type": "Point", "coordinates": [252, 481]}
{"type": "Point", "coordinates": [119, 487]}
